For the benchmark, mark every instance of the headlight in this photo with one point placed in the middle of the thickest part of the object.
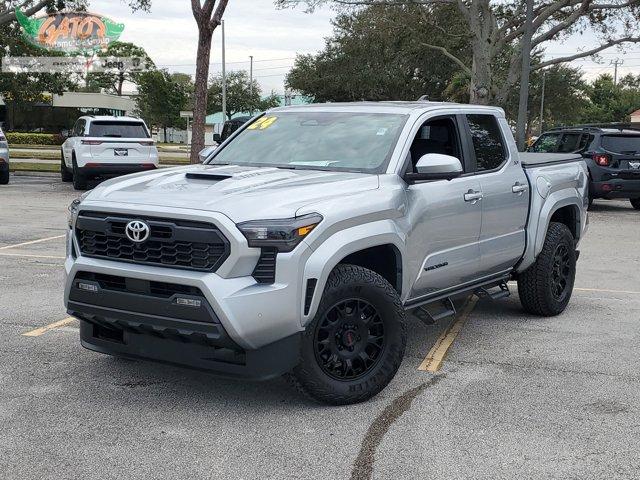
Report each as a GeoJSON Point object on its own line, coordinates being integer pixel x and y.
{"type": "Point", "coordinates": [283, 234]}
{"type": "Point", "coordinates": [73, 208]}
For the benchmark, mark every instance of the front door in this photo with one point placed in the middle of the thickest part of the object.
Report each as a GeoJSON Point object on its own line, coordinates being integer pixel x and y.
{"type": "Point", "coordinates": [445, 216]}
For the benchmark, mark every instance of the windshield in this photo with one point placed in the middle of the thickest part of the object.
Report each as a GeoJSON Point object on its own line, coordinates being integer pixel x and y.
{"type": "Point", "coordinates": [316, 140]}
{"type": "Point", "coordinates": [621, 143]}
{"type": "Point", "coordinates": [118, 130]}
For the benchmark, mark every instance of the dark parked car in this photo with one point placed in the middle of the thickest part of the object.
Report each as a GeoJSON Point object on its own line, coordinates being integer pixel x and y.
{"type": "Point", "coordinates": [4, 159]}
{"type": "Point", "coordinates": [229, 127]}
{"type": "Point", "coordinates": [612, 154]}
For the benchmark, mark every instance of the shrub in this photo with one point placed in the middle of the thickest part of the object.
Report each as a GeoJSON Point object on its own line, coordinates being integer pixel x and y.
{"type": "Point", "coordinates": [16, 138]}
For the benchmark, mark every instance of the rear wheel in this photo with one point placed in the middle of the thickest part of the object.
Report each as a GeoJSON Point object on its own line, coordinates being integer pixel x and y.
{"type": "Point", "coordinates": [635, 203]}
{"type": "Point", "coordinates": [66, 175]}
{"type": "Point", "coordinates": [79, 179]}
{"type": "Point", "coordinates": [356, 342]}
{"type": "Point", "coordinates": [4, 177]}
{"type": "Point", "coordinates": [545, 288]}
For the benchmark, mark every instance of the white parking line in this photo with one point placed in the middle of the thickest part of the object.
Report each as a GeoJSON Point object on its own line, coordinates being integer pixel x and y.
{"type": "Point", "coordinates": [32, 242]}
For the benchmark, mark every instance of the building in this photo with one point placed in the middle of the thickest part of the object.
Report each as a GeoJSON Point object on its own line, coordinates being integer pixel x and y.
{"type": "Point", "coordinates": [59, 112]}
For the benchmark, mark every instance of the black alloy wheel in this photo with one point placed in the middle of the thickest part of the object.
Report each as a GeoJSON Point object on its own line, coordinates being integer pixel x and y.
{"type": "Point", "coordinates": [561, 272]}
{"type": "Point", "coordinates": [349, 339]}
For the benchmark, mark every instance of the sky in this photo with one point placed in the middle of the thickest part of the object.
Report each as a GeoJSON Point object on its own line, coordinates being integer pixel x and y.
{"type": "Point", "coordinates": [274, 36]}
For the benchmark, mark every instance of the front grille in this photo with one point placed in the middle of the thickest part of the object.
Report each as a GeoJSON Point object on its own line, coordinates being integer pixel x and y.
{"type": "Point", "coordinates": [171, 243]}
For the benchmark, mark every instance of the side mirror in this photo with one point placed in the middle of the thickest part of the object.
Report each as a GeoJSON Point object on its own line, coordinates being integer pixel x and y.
{"type": "Point", "coordinates": [217, 137]}
{"type": "Point", "coordinates": [64, 134]}
{"type": "Point", "coordinates": [435, 166]}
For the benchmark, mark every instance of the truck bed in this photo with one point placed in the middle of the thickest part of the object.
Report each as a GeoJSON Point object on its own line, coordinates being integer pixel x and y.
{"type": "Point", "coordinates": [530, 159]}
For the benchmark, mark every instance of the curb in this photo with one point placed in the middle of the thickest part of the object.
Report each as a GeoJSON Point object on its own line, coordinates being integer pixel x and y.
{"type": "Point", "coordinates": [23, 173]}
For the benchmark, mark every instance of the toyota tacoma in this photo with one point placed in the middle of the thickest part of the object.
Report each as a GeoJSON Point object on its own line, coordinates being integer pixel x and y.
{"type": "Point", "coordinates": [306, 237]}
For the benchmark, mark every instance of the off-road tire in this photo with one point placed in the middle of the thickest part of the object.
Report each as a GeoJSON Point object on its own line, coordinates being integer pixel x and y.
{"type": "Point", "coordinates": [79, 180]}
{"type": "Point", "coordinates": [536, 285]}
{"type": "Point", "coordinates": [4, 177]}
{"type": "Point", "coordinates": [635, 203]}
{"type": "Point", "coordinates": [348, 283]}
{"type": "Point", "coordinates": [65, 174]}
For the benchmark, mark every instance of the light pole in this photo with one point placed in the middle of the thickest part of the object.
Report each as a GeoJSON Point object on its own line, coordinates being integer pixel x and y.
{"type": "Point", "coordinates": [523, 106]}
{"type": "Point", "coordinates": [224, 77]}
{"type": "Point", "coordinates": [251, 85]}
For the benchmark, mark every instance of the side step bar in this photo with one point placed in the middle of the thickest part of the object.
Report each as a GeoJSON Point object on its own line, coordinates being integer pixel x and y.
{"type": "Point", "coordinates": [502, 292]}
{"type": "Point", "coordinates": [448, 308]}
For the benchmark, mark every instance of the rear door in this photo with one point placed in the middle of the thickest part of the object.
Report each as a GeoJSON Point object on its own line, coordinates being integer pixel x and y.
{"type": "Point", "coordinates": [505, 189]}
{"type": "Point", "coordinates": [118, 141]}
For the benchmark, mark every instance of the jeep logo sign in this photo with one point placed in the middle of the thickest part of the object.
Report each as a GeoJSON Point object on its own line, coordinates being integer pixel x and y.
{"type": "Point", "coordinates": [72, 32]}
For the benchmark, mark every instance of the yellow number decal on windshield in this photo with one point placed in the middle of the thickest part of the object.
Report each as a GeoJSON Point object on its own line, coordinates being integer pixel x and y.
{"type": "Point", "coordinates": [262, 123]}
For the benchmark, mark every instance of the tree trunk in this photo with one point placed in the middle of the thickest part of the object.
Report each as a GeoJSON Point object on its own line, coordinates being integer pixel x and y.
{"type": "Point", "coordinates": [480, 85]}
{"type": "Point", "coordinates": [200, 93]}
{"type": "Point", "coordinates": [120, 84]}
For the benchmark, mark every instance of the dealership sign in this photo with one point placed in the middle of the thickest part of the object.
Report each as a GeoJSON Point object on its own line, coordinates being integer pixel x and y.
{"type": "Point", "coordinates": [70, 32]}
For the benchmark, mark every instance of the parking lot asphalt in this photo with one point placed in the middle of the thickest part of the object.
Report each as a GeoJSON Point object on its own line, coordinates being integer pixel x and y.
{"type": "Point", "coordinates": [516, 396]}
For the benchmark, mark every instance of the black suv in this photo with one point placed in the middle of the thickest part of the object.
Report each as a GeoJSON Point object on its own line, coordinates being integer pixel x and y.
{"type": "Point", "coordinates": [612, 154]}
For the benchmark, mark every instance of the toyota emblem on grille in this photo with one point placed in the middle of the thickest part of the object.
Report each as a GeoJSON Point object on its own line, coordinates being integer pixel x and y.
{"type": "Point", "coordinates": [137, 231]}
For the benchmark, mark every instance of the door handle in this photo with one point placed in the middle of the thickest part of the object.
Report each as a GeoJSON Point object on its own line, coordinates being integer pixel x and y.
{"type": "Point", "coordinates": [519, 189]}
{"type": "Point", "coordinates": [473, 196]}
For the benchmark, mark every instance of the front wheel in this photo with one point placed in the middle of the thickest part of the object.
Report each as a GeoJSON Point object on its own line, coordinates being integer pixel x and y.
{"type": "Point", "coordinates": [355, 344]}
{"type": "Point", "coordinates": [635, 203]}
{"type": "Point", "coordinates": [545, 288]}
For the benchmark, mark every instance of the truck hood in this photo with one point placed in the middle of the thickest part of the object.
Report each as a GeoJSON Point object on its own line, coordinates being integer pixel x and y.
{"type": "Point", "coordinates": [240, 193]}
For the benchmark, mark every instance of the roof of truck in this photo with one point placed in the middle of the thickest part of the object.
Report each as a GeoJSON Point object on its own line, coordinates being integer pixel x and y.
{"type": "Point", "coordinates": [400, 107]}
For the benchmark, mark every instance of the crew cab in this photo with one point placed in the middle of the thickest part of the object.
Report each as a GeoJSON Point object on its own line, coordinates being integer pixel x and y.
{"type": "Point", "coordinates": [106, 146]}
{"type": "Point", "coordinates": [303, 241]}
{"type": "Point", "coordinates": [612, 155]}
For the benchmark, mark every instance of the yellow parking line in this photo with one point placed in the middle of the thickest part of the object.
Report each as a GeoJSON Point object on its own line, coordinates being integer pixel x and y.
{"type": "Point", "coordinates": [42, 330]}
{"type": "Point", "coordinates": [32, 242]}
{"type": "Point", "coordinates": [436, 355]}
{"type": "Point", "coordinates": [49, 257]}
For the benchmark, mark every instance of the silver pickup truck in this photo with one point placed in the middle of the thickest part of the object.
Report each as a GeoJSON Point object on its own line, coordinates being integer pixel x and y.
{"type": "Point", "coordinates": [301, 243]}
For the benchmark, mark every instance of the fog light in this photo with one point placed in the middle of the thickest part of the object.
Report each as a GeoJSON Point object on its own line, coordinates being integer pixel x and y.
{"type": "Point", "coordinates": [88, 287]}
{"type": "Point", "coordinates": [606, 187]}
{"type": "Point", "coordinates": [189, 302]}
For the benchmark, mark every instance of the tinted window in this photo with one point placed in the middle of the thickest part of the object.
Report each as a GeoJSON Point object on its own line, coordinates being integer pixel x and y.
{"type": "Point", "coordinates": [547, 143]}
{"type": "Point", "coordinates": [487, 141]}
{"type": "Point", "coordinates": [324, 140]}
{"type": "Point", "coordinates": [569, 143]}
{"type": "Point", "coordinates": [621, 143]}
{"type": "Point", "coordinates": [118, 130]}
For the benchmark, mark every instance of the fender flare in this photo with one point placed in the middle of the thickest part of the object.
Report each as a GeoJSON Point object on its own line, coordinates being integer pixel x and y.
{"type": "Point", "coordinates": [334, 249]}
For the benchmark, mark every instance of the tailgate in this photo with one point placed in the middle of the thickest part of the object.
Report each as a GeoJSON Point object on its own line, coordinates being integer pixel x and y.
{"type": "Point", "coordinates": [120, 151]}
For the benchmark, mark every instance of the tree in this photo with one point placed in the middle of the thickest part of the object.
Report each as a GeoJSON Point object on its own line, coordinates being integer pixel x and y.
{"type": "Point", "coordinates": [19, 89]}
{"type": "Point", "coordinates": [113, 82]}
{"type": "Point", "coordinates": [495, 29]}
{"type": "Point", "coordinates": [161, 98]}
{"type": "Point", "coordinates": [609, 102]}
{"type": "Point", "coordinates": [208, 17]}
{"type": "Point", "coordinates": [376, 53]}
{"type": "Point", "coordinates": [240, 96]}
{"type": "Point", "coordinates": [32, 7]}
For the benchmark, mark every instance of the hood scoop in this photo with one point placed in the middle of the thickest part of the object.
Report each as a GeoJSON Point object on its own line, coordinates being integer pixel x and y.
{"type": "Point", "coordinates": [208, 176]}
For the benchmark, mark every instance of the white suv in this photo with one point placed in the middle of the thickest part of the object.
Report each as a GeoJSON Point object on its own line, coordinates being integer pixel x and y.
{"type": "Point", "coordinates": [100, 146]}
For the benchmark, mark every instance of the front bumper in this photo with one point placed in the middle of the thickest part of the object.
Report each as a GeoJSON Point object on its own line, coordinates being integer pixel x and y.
{"type": "Point", "coordinates": [255, 327]}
